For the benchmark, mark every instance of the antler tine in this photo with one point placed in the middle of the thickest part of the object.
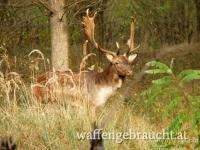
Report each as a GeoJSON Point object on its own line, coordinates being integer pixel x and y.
{"type": "Point", "coordinates": [117, 44]}
{"type": "Point", "coordinates": [85, 45]}
{"type": "Point", "coordinates": [130, 41]}
{"type": "Point", "coordinates": [87, 12]}
{"type": "Point", "coordinates": [118, 48]}
{"type": "Point", "coordinates": [89, 27]}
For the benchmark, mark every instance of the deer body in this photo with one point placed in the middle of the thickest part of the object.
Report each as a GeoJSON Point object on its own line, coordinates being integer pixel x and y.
{"type": "Point", "coordinates": [98, 87]}
{"type": "Point", "coordinates": [106, 84]}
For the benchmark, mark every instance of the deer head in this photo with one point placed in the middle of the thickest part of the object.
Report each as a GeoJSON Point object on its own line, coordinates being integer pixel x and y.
{"type": "Point", "coordinates": [121, 62]}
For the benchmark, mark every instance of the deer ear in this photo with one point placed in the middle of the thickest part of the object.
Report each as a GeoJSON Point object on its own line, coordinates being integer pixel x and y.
{"type": "Point", "coordinates": [109, 57]}
{"type": "Point", "coordinates": [132, 57]}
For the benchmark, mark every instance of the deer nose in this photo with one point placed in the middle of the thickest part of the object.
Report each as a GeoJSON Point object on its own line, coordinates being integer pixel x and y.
{"type": "Point", "coordinates": [130, 72]}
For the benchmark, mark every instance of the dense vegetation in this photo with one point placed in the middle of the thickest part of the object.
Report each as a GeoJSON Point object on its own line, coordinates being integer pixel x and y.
{"type": "Point", "coordinates": [164, 92]}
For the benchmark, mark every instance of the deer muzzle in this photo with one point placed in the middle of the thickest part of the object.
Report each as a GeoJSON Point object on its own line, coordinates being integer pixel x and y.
{"type": "Point", "coordinates": [130, 72]}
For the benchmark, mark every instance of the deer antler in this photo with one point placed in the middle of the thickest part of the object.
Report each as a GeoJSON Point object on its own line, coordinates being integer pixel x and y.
{"type": "Point", "coordinates": [85, 45]}
{"type": "Point", "coordinates": [118, 48]}
{"type": "Point", "coordinates": [130, 41]}
{"type": "Point", "coordinates": [89, 27]}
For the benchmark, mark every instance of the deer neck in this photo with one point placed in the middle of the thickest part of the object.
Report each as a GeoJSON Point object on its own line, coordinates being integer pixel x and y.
{"type": "Point", "coordinates": [109, 77]}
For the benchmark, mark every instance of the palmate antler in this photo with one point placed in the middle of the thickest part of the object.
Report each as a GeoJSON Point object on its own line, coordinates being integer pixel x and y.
{"type": "Point", "coordinates": [89, 27]}
{"type": "Point", "coordinates": [130, 41]}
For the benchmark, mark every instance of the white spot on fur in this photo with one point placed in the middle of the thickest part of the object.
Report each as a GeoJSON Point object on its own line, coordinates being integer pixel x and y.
{"type": "Point", "coordinates": [103, 94]}
{"type": "Point", "coordinates": [119, 84]}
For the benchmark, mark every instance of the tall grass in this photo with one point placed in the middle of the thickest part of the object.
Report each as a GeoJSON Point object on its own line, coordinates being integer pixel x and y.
{"type": "Point", "coordinates": [55, 125]}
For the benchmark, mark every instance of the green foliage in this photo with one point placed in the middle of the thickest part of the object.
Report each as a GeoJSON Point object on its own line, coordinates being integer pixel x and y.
{"type": "Point", "coordinates": [189, 75]}
{"type": "Point", "coordinates": [171, 106]}
{"type": "Point", "coordinates": [161, 68]}
{"type": "Point", "coordinates": [168, 94]}
{"type": "Point", "coordinates": [177, 123]}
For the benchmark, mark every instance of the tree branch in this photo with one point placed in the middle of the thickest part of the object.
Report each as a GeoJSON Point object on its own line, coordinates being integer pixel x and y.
{"type": "Point", "coordinates": [16, 6]}
{"type": "Point", "coordinates": [32, 3]}
{"type": "Point", "coordinates": [47, 6]}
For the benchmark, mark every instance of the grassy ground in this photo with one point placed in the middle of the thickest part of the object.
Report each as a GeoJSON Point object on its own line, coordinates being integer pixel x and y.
{"type": "Point", "coordinates": [55, 125]}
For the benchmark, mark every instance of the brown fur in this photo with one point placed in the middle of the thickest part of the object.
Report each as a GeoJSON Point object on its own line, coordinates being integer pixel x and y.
{"type": "Point", "coordinates": [88, 81]}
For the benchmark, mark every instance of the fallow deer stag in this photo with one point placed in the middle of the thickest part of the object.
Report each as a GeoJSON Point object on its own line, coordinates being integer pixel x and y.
{"type": "Point", "coordinates": [96, 86]}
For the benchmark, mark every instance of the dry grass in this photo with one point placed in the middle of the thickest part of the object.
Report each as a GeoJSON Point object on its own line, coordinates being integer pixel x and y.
{"type": "Point", "coordinates": [55, 125]}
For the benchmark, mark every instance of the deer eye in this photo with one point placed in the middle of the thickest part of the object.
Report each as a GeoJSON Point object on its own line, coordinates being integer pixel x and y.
{"type": "Point", "coordinates": [116, 63]}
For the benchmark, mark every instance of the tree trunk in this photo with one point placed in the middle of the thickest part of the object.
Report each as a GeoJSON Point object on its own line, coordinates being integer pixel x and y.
{"type": "Point", "coordinates": [59, 36]}
{"type": "Point", "coordinates": [197, 3]}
